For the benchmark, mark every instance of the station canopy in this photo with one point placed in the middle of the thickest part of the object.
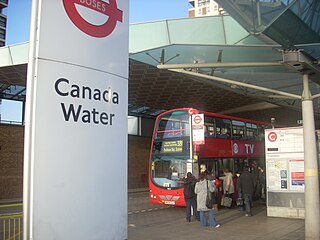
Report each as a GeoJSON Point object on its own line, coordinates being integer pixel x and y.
{"type": "Point", "coordinates": [210, 63]}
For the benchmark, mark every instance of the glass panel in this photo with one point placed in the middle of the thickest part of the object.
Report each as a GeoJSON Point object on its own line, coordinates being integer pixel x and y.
{"type": "Point", "coordinates": [174, 124]}
{"type": "Point", "coordinates": [4, 1]}
{"type": "Point", "coordinates": [132, 125]}
{"type": "Point", "coordinates": [156, 33]}
{"type": "Point", "coordinates": [271, 17]}
{"type": "Point", "coordinates": [252, 131]}
{"type": "Point", "coordinates": [169, 171]}
{"type": "Point", "coordinates": [238, 130]}
{"type": "Point", "coordinates": [3, 21]}
{"type": "Point", "coordinates": [261, 133]}
{"type": "Point", "coordinates": [199, 27]}
{"type": "Point", "coordinates": [209, 127]}
{"type": "Point", "coordinates": [19, 53]}
{"type": "Point", "coordinates": [223, 128]}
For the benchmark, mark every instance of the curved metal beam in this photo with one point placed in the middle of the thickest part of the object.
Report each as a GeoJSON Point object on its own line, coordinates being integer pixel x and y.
{"type": "Point", "coordinates": [233, 82]}
{"type": "Point", "coordinates": [219, 65]}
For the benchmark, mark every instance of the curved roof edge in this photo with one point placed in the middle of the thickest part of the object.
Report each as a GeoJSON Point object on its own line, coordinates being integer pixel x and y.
{"type": "Point", "coordinates": [213, 30]}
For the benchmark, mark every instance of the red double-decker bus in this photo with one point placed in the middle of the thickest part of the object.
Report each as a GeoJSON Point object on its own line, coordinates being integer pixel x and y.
{"type": "Point", "coordinates": [188, 140]}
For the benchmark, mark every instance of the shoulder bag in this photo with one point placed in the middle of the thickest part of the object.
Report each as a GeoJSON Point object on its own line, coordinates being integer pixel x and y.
{"type": "Point", "coordinates": [209, 200]}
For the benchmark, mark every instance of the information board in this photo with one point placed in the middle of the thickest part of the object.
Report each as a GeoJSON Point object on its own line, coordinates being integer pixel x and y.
{"type": "Point", "coordinates": [285, 159]}
{"type": "Point", "coordinates": [198, 129]}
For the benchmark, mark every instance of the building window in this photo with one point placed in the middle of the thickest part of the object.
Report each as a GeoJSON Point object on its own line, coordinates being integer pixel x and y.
{"type": "Point", "coordinates": [3, 22]}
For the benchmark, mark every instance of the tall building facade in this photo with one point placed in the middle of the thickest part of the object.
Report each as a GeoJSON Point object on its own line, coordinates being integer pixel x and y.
{"type": "Point", "coordinates": [204, 8]}
{"type": "Point", "coordinates": [3, 27]}
{"type": "Point", "coordinates": [3, 22]}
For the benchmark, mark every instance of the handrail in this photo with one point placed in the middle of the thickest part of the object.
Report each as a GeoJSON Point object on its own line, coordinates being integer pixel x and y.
{"type": "Point", "coordinates": [11, 222]}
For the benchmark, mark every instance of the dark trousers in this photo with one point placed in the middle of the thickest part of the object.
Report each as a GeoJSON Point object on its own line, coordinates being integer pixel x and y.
{"type": "Point", "coordinates": [191, 202]}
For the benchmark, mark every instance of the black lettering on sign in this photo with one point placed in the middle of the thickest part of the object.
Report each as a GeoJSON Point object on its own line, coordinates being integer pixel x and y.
{"type": "Point", "coordinates": [75, 114]}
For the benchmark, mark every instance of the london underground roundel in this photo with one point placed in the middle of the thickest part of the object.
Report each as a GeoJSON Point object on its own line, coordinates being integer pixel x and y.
{"type": "Point", "coordinates": [110, 10]}
{"type": "Point", "coordinates": [272, 136]}
{"type": "Point", "coordinates": [197, 119]}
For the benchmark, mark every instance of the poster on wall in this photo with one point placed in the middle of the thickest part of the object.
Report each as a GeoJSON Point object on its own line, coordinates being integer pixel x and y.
{"type": "Point", "coordinates": [277, 174]}
{"type": "Point", "coordinates": [297, 174]}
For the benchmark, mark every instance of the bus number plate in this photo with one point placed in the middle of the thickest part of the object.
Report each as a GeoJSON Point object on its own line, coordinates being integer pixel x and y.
{"type": "Point", "coordinates": [170, 202]}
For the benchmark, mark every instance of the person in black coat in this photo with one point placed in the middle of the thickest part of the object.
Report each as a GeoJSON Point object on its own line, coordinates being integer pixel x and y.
{"type": "Point", "coordinates": [246, 186]}
{"type": "Point", "coordinates": [190, 197]}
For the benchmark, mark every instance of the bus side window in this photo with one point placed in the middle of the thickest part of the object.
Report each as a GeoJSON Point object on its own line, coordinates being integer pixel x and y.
{"type": "Point", "coordinates": [209, 126]}
{"type": "Point", "coordinates": [211, 131]}
{"type": "Point", "coordinates": [238, 130]}
{"type": "Point", "coordinates": [224, 126]}
{"type": "Point", "coordinates": [218, 131]}
{"type": "Point", "coordinates": [252, 131]}
{"type": "Point", "coordinates": [261, 133]}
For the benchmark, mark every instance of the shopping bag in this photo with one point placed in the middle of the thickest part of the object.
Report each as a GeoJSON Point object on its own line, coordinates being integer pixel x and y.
{"type": "Point", "coordinates": [239, 201]}
{"type": "Point", "coordinates": [226, 201]}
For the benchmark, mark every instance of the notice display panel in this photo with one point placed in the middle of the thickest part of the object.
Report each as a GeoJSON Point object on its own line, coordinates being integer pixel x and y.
{"type": "Point", "coordinates": [76, 121]}
{"type": "Point", "coordinates": [285, 159]}
{"type": "Point", "coordinates": [285, 172]}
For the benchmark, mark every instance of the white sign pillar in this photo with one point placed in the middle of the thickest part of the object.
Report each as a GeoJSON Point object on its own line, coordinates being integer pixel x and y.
{"type": "Point", "coordinates": [75, 160]}
{"type": "Point", "coordinates": [312, 219]}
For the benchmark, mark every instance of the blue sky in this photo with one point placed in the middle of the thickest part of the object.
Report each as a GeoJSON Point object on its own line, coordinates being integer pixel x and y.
{"type": "Point", "coordinates": [19, 11]}
{"type": "Point", "coordinates": [18, 23]}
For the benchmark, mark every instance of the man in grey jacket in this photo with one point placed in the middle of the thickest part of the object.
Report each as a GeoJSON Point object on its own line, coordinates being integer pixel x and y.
{"type": "Point", "coordinates": [246, 186]}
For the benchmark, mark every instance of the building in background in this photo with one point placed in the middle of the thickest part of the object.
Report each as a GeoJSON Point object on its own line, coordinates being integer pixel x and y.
{"type": "Point", "coordinates": [3, 22]}
{"type": "Point", "coordinates": [204, 8]}
{"type": "Point", "coordinates": [3, 27]}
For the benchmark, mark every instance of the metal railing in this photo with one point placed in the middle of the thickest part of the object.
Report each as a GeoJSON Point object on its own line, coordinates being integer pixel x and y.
{"type": "Point", "coordinates": [11, 223]}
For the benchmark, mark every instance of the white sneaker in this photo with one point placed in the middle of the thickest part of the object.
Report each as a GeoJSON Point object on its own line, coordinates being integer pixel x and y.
{"type": "Point", "coordinates": [217, 226]}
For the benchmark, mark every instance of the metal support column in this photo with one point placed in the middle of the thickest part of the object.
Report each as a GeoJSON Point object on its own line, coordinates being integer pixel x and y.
{"type": "Point", "coordinates": [311, 171]}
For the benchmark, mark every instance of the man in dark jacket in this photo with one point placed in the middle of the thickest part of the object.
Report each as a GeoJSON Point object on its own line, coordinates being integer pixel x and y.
{"type": "Point", "coordinates": [246, 186]}
{"type": "Point", "coordinates": [190, 197]}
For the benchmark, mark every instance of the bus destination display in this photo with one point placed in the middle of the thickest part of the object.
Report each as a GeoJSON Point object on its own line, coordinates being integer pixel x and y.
{"type": "Point", "coordinates": [172, 146]}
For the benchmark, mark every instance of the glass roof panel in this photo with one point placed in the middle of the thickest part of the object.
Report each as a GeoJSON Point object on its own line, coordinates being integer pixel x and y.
{"type": "Point", "coordinates": [146, 36]}
{"type": "Point", "coordinates": [210, 54]}
{"type": "Point", "coordinates": [288, 22]}
{"type": "Point", "coordinates": [213, 30]}
{"type": "Point", "coordinates": [197, 27]}
{"type": "Point", "coordinates": [14, 54]}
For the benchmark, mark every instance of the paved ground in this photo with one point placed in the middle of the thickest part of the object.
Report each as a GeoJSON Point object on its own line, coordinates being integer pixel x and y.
{"type": "Point", "coordinates": [169, 223]}
{"type": "Point", "coordinates": [234, 226]}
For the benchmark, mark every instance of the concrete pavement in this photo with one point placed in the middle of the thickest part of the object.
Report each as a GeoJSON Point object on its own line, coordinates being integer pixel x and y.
{"type": "Point", "coordinates": [234, 226]}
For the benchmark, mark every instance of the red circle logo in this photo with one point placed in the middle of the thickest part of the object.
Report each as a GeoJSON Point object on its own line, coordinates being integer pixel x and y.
{"type": "Point", "coordinates": [110, 10]}
{"type": "Point", "coordinates": [272, 136]}
{"type": "Point", "coordinates": [197, 119]}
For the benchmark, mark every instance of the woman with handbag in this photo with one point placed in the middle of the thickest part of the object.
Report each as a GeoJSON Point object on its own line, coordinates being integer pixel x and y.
{"type": "Point", "coordinates": [228, 188]}
{"type": "Point", "coordinates": [204, 190]}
